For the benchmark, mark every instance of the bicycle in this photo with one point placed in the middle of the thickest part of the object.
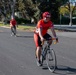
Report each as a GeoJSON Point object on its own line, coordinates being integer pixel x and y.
{"type": "Point", "coordinates": [48, 54]}
{"type": "Point", "coordinates": [13, 30]}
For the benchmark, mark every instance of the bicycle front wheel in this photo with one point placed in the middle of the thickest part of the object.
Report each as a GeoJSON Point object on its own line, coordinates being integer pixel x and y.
{"type": "Point", "coordinates": [51, 60]}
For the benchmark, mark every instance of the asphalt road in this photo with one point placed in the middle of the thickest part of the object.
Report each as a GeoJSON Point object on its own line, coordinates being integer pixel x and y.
{"type": "Point", "coordinates": [17, 54]}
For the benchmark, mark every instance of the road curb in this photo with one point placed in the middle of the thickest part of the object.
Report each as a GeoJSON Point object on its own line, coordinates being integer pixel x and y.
{"type": "Point", "coordinates": [66, 28]}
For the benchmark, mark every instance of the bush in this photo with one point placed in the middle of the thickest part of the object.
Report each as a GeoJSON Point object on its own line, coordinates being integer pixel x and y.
{"type": "Point", "coordinates": [67, 21]}
{"type": "Point", "coordinates": [74, 21]}
{"type": "Point", "coordinates": [21, 20]}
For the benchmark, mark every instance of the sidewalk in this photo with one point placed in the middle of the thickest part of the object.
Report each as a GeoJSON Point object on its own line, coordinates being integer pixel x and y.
{"type": "Point", "coordinates": [66, 28]}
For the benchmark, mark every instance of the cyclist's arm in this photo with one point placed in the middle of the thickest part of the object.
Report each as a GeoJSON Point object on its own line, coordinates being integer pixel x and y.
{"type": "Point", "coordinates": [40, 34]}
{"type": "Point", "coordinates": [54, 33]}
{"type": "Point", "coordinates": [16, 24]}
{"type": "Point", "coordinates": [10, 23]}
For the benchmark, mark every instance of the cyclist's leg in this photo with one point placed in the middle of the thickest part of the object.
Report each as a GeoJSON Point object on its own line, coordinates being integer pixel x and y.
{"type": "Point", "coordinates": [38, 48]}
{"type": "Point", "coordinates": [38, 52]}
{"type": "Point", "coordinates": [12, 33]}
{"type": "Point", "coordinates": [14, 30]}
{"type": "Point", "coordinates": [48, 38]}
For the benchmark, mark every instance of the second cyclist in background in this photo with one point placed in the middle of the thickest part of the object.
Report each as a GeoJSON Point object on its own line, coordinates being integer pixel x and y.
{"type": "Point", "coordinates": [13, 25]}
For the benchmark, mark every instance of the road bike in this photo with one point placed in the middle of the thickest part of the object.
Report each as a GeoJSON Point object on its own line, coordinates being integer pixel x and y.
{"type": "Point", "coordinates": [48, 55]}
{"type": "Point", "coordinates": [13, 30]}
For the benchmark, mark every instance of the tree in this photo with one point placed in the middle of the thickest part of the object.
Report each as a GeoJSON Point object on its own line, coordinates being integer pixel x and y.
{"type": "Point", "coordinates": [52, 6]}
{"type": "Point", "coordinates": [69, 10]}
{"type": "Point", "coordinates": [7, 8]}
{"type": "Point", "coordinates": [34, 8]}
{"type": "Point", "coordinates": [4, 9]}
{"type": "Point", "coordinates": [63, 11]}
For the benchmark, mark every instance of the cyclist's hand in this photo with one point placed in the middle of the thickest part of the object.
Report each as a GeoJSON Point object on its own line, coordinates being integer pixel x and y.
{"type": "Point", "coordinates": [56, 39]}
{"type": "Point", "coordinates": [42, 40]}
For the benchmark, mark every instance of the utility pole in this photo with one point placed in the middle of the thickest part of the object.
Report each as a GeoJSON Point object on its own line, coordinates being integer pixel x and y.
{"type": "Point", "coordinates": [71, 4]}
{"type": "Point", "coordinates": [70, 24]}
{"type": "Point", "coordinates": [13, 8]}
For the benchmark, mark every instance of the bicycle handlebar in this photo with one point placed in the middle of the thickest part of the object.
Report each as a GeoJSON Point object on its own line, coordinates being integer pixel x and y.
{"type": "Point", "coordinates": [55, 42]}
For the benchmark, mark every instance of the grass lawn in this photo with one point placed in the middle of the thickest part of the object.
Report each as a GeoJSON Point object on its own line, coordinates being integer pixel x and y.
{"type": "Point", "coordinates": [28, 27]}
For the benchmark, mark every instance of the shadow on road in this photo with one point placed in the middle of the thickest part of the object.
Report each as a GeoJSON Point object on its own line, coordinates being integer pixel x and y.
{"type": "Point", "coordinates": [64, 70]}
{"type": "Point", "coordinates": [25, 36]}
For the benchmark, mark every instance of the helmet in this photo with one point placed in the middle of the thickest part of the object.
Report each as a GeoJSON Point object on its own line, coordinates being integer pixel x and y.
{"type": "Point", "coordinates": [46, 14]}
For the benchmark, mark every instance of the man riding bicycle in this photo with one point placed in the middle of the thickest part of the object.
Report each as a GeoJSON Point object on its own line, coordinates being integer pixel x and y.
{"type": "Point", "coordinates": [13, 24]}
{"type": "Point", "coordinates": [41, 34]}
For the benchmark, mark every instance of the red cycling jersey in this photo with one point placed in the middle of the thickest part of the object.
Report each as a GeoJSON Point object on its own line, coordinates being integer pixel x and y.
{"type": "Point", "coordinates": [13, 22]}
{"type": "Point", "coordinates": [45, 26]}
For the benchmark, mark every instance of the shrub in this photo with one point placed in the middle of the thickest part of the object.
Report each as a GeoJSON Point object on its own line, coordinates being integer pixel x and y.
{"type": "Point", "coordinates": [22, 20]}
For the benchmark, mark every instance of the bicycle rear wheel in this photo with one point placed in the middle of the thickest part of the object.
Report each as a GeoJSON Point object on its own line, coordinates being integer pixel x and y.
{"type": "Point", "coordinates": [51, 60]}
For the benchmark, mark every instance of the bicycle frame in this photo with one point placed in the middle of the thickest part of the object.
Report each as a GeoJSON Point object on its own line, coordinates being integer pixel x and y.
{"type": "Point", "coordinates": [46, 51]}
{"type": "Point", "coordinates": [13, 30]}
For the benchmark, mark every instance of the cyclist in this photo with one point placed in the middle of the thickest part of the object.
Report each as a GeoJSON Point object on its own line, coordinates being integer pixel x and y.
{"type": "Point", "coordinates": [13, 24]}
{"type": "Point", "coordinates": [41, 33]}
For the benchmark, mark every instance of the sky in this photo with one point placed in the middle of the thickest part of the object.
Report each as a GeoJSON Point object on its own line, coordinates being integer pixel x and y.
{"type": "Point", "coordinates": [73, 2]}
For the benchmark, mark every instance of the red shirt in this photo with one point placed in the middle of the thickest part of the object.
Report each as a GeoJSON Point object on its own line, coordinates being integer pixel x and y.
{"type": "Point", "coordinates": [44, 26]}
{"type": "Point", "coordinates": [13, 22]}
